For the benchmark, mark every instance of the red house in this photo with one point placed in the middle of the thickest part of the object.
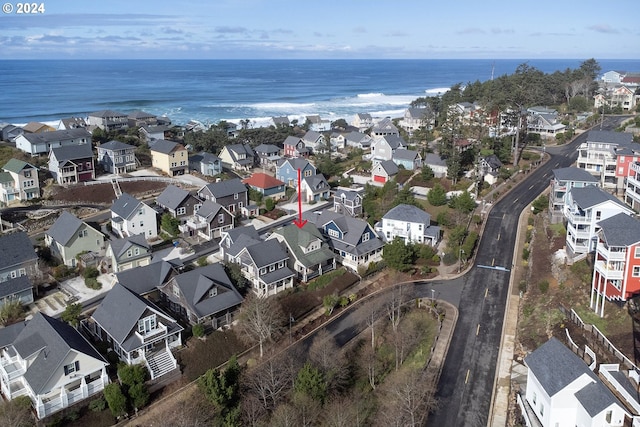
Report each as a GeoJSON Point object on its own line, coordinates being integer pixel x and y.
{"type": "Point", "coordinates": [616, 273]}
{"type": "Point", "coordinates": [295, 147]}
{"type": "Point", "coordinates": [72, 164]}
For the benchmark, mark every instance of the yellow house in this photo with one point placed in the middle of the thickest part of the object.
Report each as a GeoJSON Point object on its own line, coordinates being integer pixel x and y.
{"type": "Point", "coordinates": [170, 157]}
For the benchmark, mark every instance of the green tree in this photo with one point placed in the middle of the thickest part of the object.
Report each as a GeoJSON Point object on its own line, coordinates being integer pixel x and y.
{"type": "Point", "coordinates": [398, 255]}
{"type": "Point", "coordinates": [132, 374]}
{"type": "Point", "coordinates": [222, 388]}
{"type": "Point", "coordinates": [310, 382]}
{"type": "Point", "coordinates": [71, 314]}
{"type": "Point", "coordinates": [139, 395]}
{"type": "Point", "coordinates": [234, 271]}
{"type": "Point", "coordinates": [427, 173]}
{"type": "Point", "coordinates": [115, 399]}
{"type": "Point", "coordinates": [255, 195]}
{"type": "Point", "coordinates": [463, 202]}
{"type": "Point", "coordinates": [170, 224]}
{"type": "Point", "coordinates": [437, 196]}
{"type": "Point", "coordinates": [405, 197]}
{"type": "Point", "coordinates": [269, 204]}
{"type": "Point", "coordinates": [11, 312]}
{"type": "Point", "coordinates": [540, 204]}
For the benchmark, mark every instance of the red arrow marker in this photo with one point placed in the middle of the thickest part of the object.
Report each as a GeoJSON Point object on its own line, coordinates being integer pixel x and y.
{"type": "Point", "coordinates": [299, 222]}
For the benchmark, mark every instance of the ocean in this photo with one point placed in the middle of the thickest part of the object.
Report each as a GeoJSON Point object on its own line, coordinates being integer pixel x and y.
{"type": "Point", "coordinates": [213, 90]}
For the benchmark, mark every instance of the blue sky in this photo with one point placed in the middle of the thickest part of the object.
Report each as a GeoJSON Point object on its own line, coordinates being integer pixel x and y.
{"type": "Point", "coordinates": [252, 29]}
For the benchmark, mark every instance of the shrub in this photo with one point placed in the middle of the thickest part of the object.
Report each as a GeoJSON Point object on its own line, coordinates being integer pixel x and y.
{"type": "Point", "coordinates": [92, 283]}
{"type": "Point", "coordinates": [522, 286]}
{"type": "Point", "coordinates": [202, 261]}
{"type": "Point", "coordinates": [525, 254]}
{"type": "Point", "coordinates": [543, 286]}
{"type": "Point", "coordinates": [443, 219]}
{"type": "Point", "coordinates": [98, 405]}
{"type": "Point", "coordinates": [197, 330]}
{"type": "Point", "coordinates": [450, 258]}
{"type": "Point", "coordinates": [115, 399]}
{"type": "Point", "coordinates": [269, 204]}
{"type": "Point", "coordinates": [90, 273]}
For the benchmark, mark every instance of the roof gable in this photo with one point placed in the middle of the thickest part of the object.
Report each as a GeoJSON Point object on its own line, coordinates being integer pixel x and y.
{"type": "Point", "coordinates": [65, 227]}
{"type": "Point", "coordinates": [125, 205]}
{"type": "Point", "coordinates": [16, 248]}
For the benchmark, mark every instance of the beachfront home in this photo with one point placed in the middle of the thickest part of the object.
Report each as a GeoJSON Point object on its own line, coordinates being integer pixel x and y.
{"type": "Point", "coordinates": [315, 141]}
{"type": "Point", "coordinates": [206, 163]}
{"type": "Point", "coordinates": [231, 193]}
{"type": "Point", "coordinates": [348, 202]}
{"type": "Point", "coordinates": [170, 157]}
{"type": "Point", "coordinates": [295, 147]}
{"type": "Point", "coordinates": [141, 118]}
{"type": "Point", "coordinates": [318, 124]}
{"type": "Point", "coordinates": [128, 252]}
{"type": "Point", "coordinates": [108, 120]}
{"type": "Point", "coordinates": [204, 295]}
{"type": "Point", "coordinates": [23, 183]}
{"type": "Point", "coordinates": [117, 157]}
{"type": "Point", "coordinates": [37, 127]}
{"type": "Point", "coordinates": [73, 123]}
{"type": "Point", "coordinates": [564, 179]}
{"type": "Point", "coordinates": [50, 362]}
{"type": "Point", "coordinates": [409, 223]}
{"type": "Point", "coordinates": [240, 157]}
{"type": "Point", "coordinates": [266, 185]}
{"type": "Point", "coordinates": [384, 171]}
{"type": "Point", "coordinates": [384, 127]}
{"type": "Point", "coordinates": [72, 164]}
{"type": "Point", "coordinates": [69, 237]}
{"type": "Point", "coordinates": [17, 257]}
{"type": "Point", "coordinates": [9, 132]}
{"type": "Point", "coordinates": [136, 330]}
{"type": "Point", "coordinates": [281, 121]}
{"type": "Point", "coordinates": [358, 140]}
{"type": "Point", "coordinates": [415, 118]}
{"type": "Point", "coordinates": [42, 143]}
{"type": "Point", "coordinates": [209, 221]}
{"type": "Point", "coordinates": [287, 170]}
{"type": "Point", "coordinates": [363, 121]}
{"type": "Point", "coordinates": [130, 216]}
{"type": "Point", "coordinates": [179, 202]}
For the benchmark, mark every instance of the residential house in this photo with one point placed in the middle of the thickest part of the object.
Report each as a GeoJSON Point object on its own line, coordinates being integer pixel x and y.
{"type": "Point", "coordinates": [612, 76]}
{"type": "Point", "coordinates": [108, 120]}
{"type": "Point", "coordinates": [384, 127]}
{"type": "Point", "coordinates": [266, 185]}
{"type": "Point", "coordinates": [309, 253]}
{"type": "Point", "coordinates": [231, 236]}
{"type": "Point", "coordinates": [18, 289]}
{"type": "Point", "coordinates": [314, 188]}
{"type": "Point", "coordinates": [436, 164]}
{"type": "Point", "coordinates": [384, 171]}
{"type": "Point", "coordinates": [363, 121]}
{"type": "Point", "coordinates": [263, 264]}
{"type": "Point", "coordinates": [206, 163]}
{"type": "Point", "coordinates": [8, 190]}
{"type": "Point", "coordinates": [281, 121]}
{"type": "Point", "coordinates": [210, 220]}
{"type": "Point", "coordinates": [337, 141]}
{"type": "Point", "coordinates": [544, 124]}
{"type": "Point", "coordinates": [204, 295]}
{"type": "Point", "coordinates": [632, 186]}
{"type": "Point", "coordinates": [42, 143]}
{"type": "Point", "coordinates": [128, 252]}
{"type": "Point", "coordinates": [621, 96]}
{"type": "Point", "coordinates": [50, 362]}
{"type": "Point", "coordinates": [37, 127]}
{"type": "Point", "coordinates": [563, 391]}
{"type": "Point", "coordinates": [318, 124]}
{"type": "Point", "coordinates": [24, 184]}
{"type": "Point", "coordinates": [287, 170]}
{"type": "Point", "coordinates": [117, 157]}
{"type": "Point", "coordinates": [231, 193]}
{"type": "Point", "coordinates": [409, 223]}
{"type": "Point", "coordinates": [150, 134]}
{"type": "Point", "coordinates": [608, 156]}
{"type": "Point", "coordinates": [415, 118]}
{"type": "Point", "coordinates": [384, 147]}
{"type": "Point", "coordinates": [268, 155]}
{"type": "Point", "coordinates": [9, 132]}
{"type": "Point", "coordinates": [315, 141]}
{"type": "Point", "coordinates": [146, 280]}
{"type": "Point", "coordinates": [616, 271]}
{"type": "Point", "coordinates": [140, 118]}
{"type": "Point", "coordinates": [130, 216]}
{"type": "Point", "coordinates": [69, 237]}
{"type": "Point", "coordinates": [409, 159]}
{"type": "Point", "coordinates": [358, 140]}
{"type": "Point", "coordinates": [72, 164]}
{"type": "Point", "coordinates": [564, 179]}
{"type": "Point", "coordinates": [137, 330]}
{"type": "Point", "coordinates": [73, 123]}
{"type": "Point", "coordinates": [295, 147]}
{"type": "Point", "coordinates": [178, 202]}
{"type": "Point", "coordinates": [17, 257]}
{"type": "Point", "coordinates": [348, 202]}
{"type": "Point", "coordinates": [354, 242]}
{"type": "Point", "coordinates": [585, 207]}
{"type": "Point", "coordinates": [170, 157]}
{"type": "Point", "coordinates": [240, 157]}
{"type": "Point", "coordinates": [489, 168]}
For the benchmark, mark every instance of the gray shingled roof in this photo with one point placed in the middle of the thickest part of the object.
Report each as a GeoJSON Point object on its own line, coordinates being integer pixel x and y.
{"type": "Point", "coordinates": [165, 146]}
{"type": "Point", "coordinates": [609, 136]}
{"type": "Point", "coordinates": [58, 135]}
{"type": "Point", "coordinates": [555, 366]}
{"type": "Point", "coordinates": [16, 248]}
{"type": "Point", "coordinates": [114, 145]}
{"type": "Point", "coordinates": [125, 205]}
{"type": "Point", "coordinates": [408, 213]}
{"type": "Point", "coordinates": [107, 113]}
{"type": "Point", "coordinates": [394, 141]}
{"type": "Point", "coordinates": [587, 197]}
{"type": "Point", "coordinates": [73, 152]}
{"type": "Point", "coordinates": [266, 253]}
{"type": "Point", "coordinates": [389, 167]}
{"type": "Point", "coordinates": [248, 230]}
{"type": "Point", "coordinates": [171, 197]}
{"type": "Point", "coordinates": [65, 227]}
{"type": "Point", "coordinates": [295, 162]}
{"type": "Point", "coordinates": [296, 238]}
{"type": "Point", "coordinates": [291, 140]}
{"type": "Point", "coordinates": [352, 230]}
{"type": "Point", "coordinates": [56, 339]}
{"type": "Point", "coordinates": [267, 149]}
{"type": "Point", "coordinates": [404, 154]}
{"type": "Point", "coordinates": [225, 188]}
{"type": "Point", "coordinates": [15, 286]}
{"type": "Point", "coordinates": [595, 398]}
{"type": "Point", "coordinates": [316, 182]}
{"type": "Point", "coordinates": [573, 174]}
{"type": "Point", "coordinates": [143, 280]}
{"type": "Point", "coordinates": [620, 230]}
{"type": "Point", "coordinates": [120, 246]}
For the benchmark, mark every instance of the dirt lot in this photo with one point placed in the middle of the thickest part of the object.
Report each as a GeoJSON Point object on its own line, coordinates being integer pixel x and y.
{"type": "Point", "coordinates": [104, 193]}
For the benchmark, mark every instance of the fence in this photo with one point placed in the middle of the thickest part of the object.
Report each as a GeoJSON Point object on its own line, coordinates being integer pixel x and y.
{"type": "Point", "coordinates": [143, 178]}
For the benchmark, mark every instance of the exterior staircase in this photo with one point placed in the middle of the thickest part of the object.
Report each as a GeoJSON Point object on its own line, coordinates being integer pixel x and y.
{"type": "Point", "coordinates": [116, 187]}
{"type": "Point", "coordinates": [160, 363]}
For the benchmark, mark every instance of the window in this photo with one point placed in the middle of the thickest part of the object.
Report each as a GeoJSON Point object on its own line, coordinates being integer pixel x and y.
{"type": "Point", "coordinates": [27, 174]}
{"type": "Point", "coordinates": [141, 211]}
{"type": "Point", "coordinates": [129, 253]}
{"type": "Point", "coordinates": [213, 292]}
{"type": "Point", "coordinates": [181, 210]}
{"type": "Point", "coordinates": [82, 233]}
{"type": "Point", "coordinates": [176, 290]}
{"type": "Point", "coordinates": [636, 271]}
{"type": "Point", "coordinates": [240, 205]}
{"type": "Point", "coordinates": [141, 223]}
{"type": "Point", "coordinates": [235, 196]}
{"type": "Point", "coordinates": [307, 173]}
{"type": "Point", "coordinates": [147, 324]}
{"type": "Point", "coordinates": [221, 218]}
{"type": "Point", "coordinates": [620, 170]}
{"type": "Point", "coordinates": [365, 237]}
{"type": "Point", "coordinates": [608, 416]}
{"type": "Point", "coordinates": [334, 233]}
{"type": "Point", "coordinates": [598, 215]}
{"type": "Point", "coordinates": [541, 410]}
{"type": "Point", "coordinates": [72, 367]}
{"type": "Point", "coordinates": [231, 208]}
{"type": "Point", "coordinates": [534, 399]}
{"type": "Point", "coordinates": [136, 251]}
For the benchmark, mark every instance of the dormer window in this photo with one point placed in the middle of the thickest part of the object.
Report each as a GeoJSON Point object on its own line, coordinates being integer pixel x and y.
{"type": "Point", "coordinates": [213, 292]}
{"type": "Point", "coordinates": [147, 324]}
{"type": "Point", "coordinates": [365, 237]}
{"type": "Point", "coordinates": [72, 367]}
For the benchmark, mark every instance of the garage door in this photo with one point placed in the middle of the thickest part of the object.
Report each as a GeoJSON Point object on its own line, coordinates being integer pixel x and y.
{"type": "Point", "coordinates": [378, 178]}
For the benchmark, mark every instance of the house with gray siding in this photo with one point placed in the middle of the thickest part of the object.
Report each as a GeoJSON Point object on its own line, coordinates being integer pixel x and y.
{"type": "Point", "coordinates": [42, 143]}
{"type": "Point", "coordinates": [69, 236]}
{"type": "Point", "coordinates": [128, 252]}
{"type": "Point", "coordinates": [117, 157]}
{"type": "Point", "coordinates": [24, 181]}
{"type": "Point", "coordinates": [17, 257]}
{"type": "Point", "coordinates": [180, 203]}
{"type": "Point", "coordinates": [232, 194]}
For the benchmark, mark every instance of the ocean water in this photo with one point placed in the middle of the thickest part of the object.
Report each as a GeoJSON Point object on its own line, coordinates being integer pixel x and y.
{"type": "Point", "coordinates": [233, 90]}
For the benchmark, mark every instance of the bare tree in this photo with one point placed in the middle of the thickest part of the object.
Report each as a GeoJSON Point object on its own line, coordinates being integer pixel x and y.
{"type": "Point", "coordinates": [394, 311]}
{"type": "Point", "coordinates": [405, 399]}
{"type": "Point", "coordinates": [193, 410]}
{"type": "Point", "coordinates": [285, 415]}
{"type": "Point", "coordinates": [325, 354]}
{"type": "Point", "coordinates": [252, 410]}
{"type": "Point", "coordinates": [345, 411]}
{"type": "Point", "coordinates": [369, 364]}
{"type": "Point", "coordinates": [308, 410]}
{"type": "Point", "coordinates": [271, 381]}
{"type": "Point", "coordinates": [260, 319]}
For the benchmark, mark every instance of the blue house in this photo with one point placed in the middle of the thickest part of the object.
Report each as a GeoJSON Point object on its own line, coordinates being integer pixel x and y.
{"type": "Point", "coordinates": [287, 170]}
{"type": "Point", "coordinates": [206, 163]}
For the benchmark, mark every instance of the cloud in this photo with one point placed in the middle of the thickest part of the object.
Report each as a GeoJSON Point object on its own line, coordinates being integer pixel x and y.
{"type": "Point", "coordinates": [92, 20]}
{"type": "Point", "coordinates": [360, 30]}
{"type": "Point", "coordinates": [171, 30]}
{"type": "Point", "coordinates": [397, 34]}
{"type": "Point", "coordinates": [471, 30]}
{"type": "Point", "coordinates": [603, 28]}
{"type": "Point", "coordinates": [230, 30]}
{"type": "Point", "coordinates": [502, 31]}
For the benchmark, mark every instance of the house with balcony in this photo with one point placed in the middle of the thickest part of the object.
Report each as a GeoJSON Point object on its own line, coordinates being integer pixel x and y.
{"type": "Point", "coordinates": [295, 147]}
{"type": "Point", "coordinates": [415, 118]}
{"type": "Point", "coordinates": [348, 202]}
{"type": "Point", "coordinates": [205, 163]}
{"type": "Point", "coordinates": [563, 391]}
{"type": "Point", "coordinates": [108, 120]}
{"type": "Point", "coordinates": [178, 202]}
{"type": "Point", "coordinates": [72, 164]}
{"type": "Point", "coordinates": [607, 155]}
{"type": "Point", "coordinates": [170, 157]}
{"type": "Point", "coordinates": [128, 252]}
{"type": "Point", "coordinates": [231, 193]}
{"type": "Point", "coordinates": [136, 330]}
{"type": "Point", "coordinates": [268, 155]}
{"type": "Point", "coordinates": [362, 121]}
{"type": "Point", "coordinates": [616, 273]}
{"type": "Point", "coordinates": [17, 257]}
{"type": "Point", "coordinates": [585, 207]}
{"type": "Point", "coordinates": [358, 140]}
{"type": "Point", "coordinates": [263, 263]}
{"type": "Point", "coordinates": [117, 157]}
{"type": "Point", "coordinates": [354, 241]}
{"type": "Point", "coordinates": [564, 179]}
{"type": "Point", "coordinates": [209, 221]}
{"type": "Point", "coordinates": [239, 157]}
{"type": "Point", "coordinates": [314, 188]}
{"type": "Point", "coordinates": [140, 118]}
{"type": "Point", "coordinates": [232, 236]}
{"type": "Point", "coordinates": [317, 123]}
{"type": "Point", "coordinates": [409, 223]}
{"type": "Point", "coordinates": [130, 216]}
{"type": "Point", "coordinates": [545, 123]}
{"type": "Point", "coordinates": [266, 185]}
{"type": "Point", "coordinates": [309, 253]}
{"type": "Point", "coordinates": [69, 237]}
{"type": "Point", "coordinates": [204, 295]}
{"type": "Point", "coordinates": [51, 363]}
{"type": "Point", "coordinates": [287, 170]}
{"type": "Point", "coordinates": [383, 148]}
{"type": "Point", "coordinates": [315, 141]}
{"type": "Point", "coordinates": [384, 127]}
{"type": "Point", "coordinates": [632, 186]}
{"type": "Point", "coordinates": [24, 183]}
{"type": "Point", "coordinates": [42, 143]}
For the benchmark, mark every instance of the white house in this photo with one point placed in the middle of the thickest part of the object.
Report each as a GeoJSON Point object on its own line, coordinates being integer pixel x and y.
{"type": "Point", "coordinates": [410, 223]}
{"type": "Point", "coordinates": [129, 217]}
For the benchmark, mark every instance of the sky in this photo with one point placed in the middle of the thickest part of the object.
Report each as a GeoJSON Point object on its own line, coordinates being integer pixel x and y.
{"type": "Point", "coordinates": [328, 29]}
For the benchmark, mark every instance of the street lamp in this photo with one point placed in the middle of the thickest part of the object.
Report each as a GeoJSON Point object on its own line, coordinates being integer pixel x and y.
{"type": "Point", "coordinates": [433, 295]}
{"type": "Point", "coordinates": [460, 259]}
